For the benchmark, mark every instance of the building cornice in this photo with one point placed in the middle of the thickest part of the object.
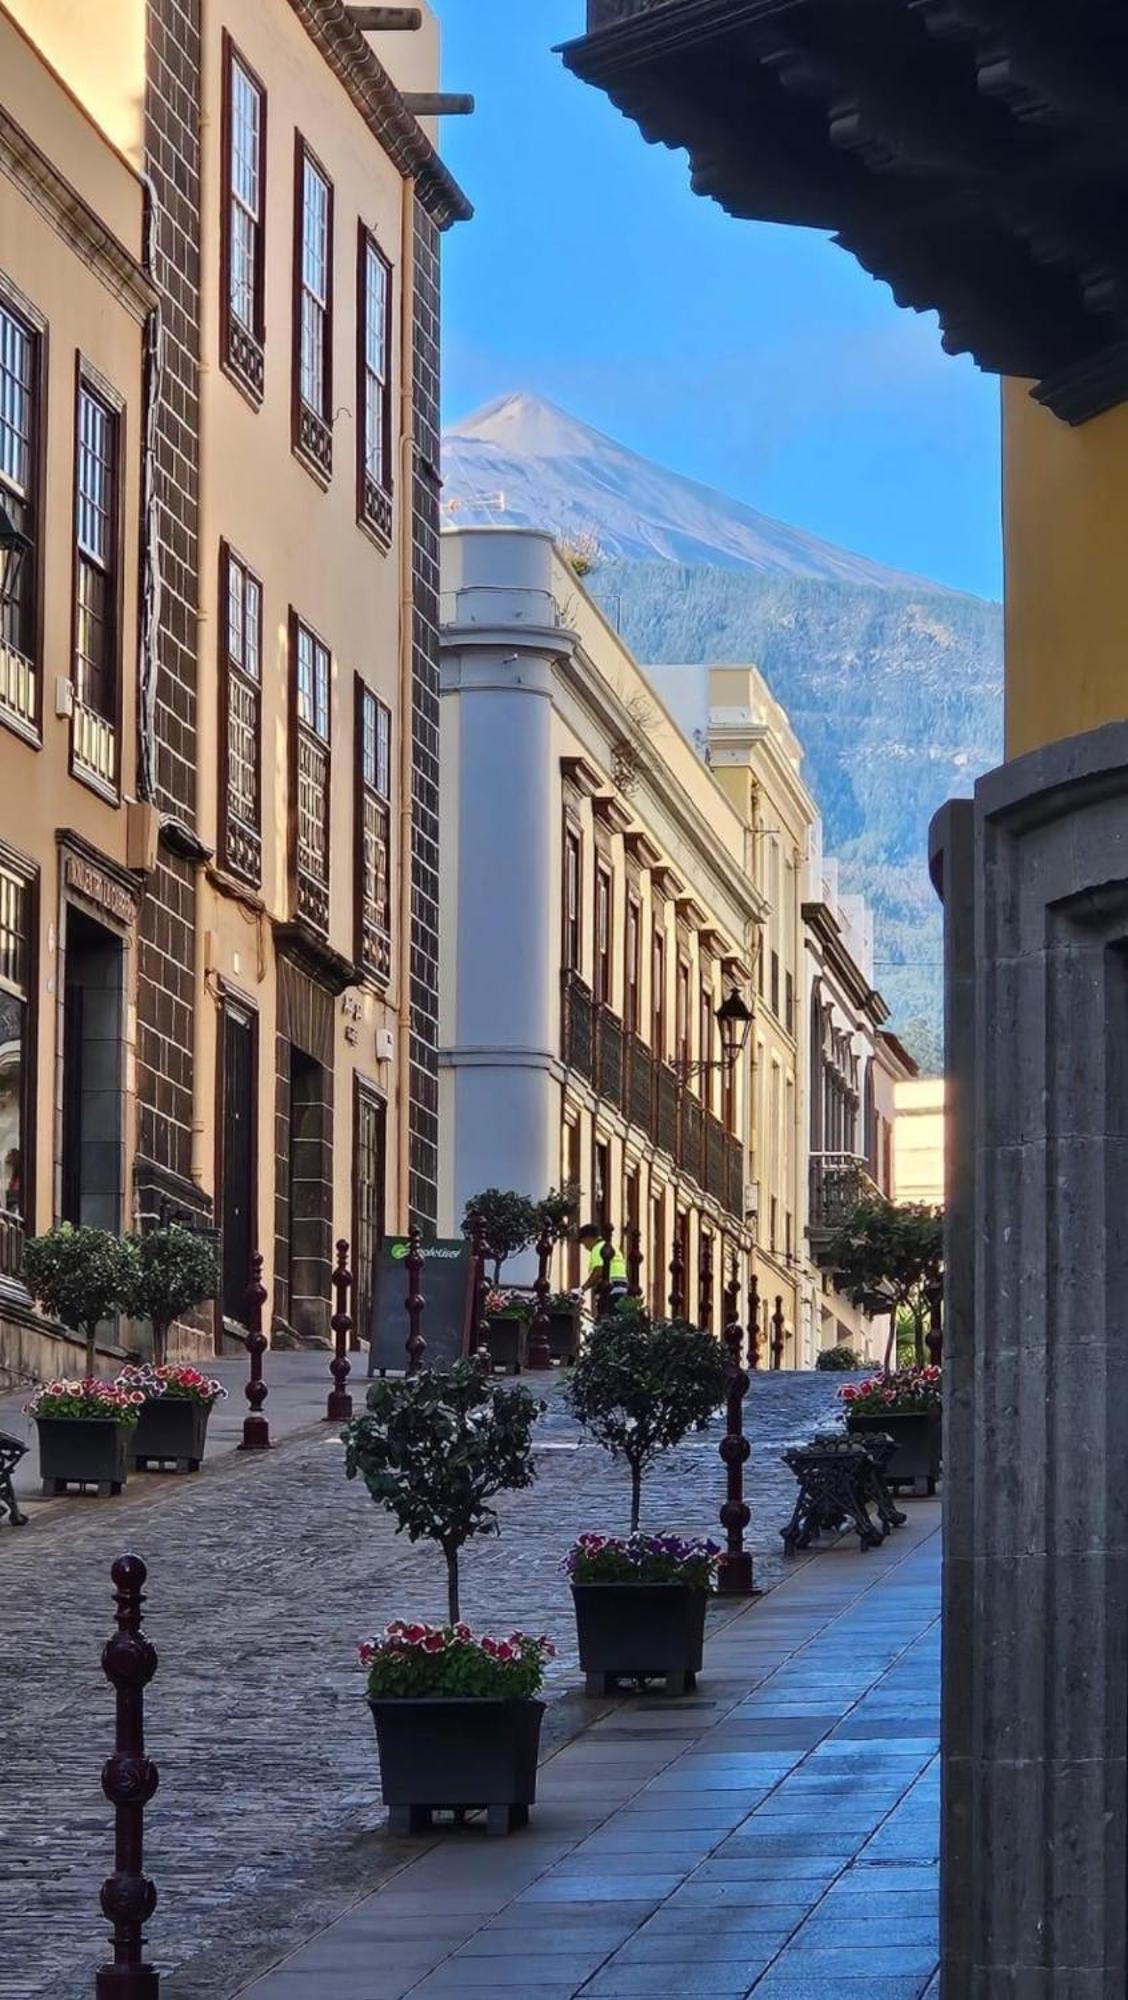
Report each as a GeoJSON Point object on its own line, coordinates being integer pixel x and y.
{"type": "Point", "coordinates": [355, 63]}
{"type": "Point", "coordinates": [615, 722]}
{"type": "Point", "coordinates": [825, 926]}
{"type": "Point", "coordinates": [41, 184]}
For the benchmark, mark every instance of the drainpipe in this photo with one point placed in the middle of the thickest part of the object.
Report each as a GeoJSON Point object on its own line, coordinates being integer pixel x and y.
{"type": "Point", "coordinates": [406, 639]}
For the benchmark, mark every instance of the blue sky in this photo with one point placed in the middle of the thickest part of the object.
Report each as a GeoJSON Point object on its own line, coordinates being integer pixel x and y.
{"type": "Point", "coordinates": [761, 360]}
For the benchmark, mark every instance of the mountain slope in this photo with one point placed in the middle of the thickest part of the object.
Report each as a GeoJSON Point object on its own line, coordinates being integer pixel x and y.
{"type": "Point", "coordinates": [894, 685]}
{"type": "Point", "coordinates": [522, 460]}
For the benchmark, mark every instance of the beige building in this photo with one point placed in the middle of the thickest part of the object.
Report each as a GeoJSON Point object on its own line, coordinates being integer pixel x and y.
{"type": "Point", "coordinates": [75, 306]}
{"type": "Point", "coordinates": [918, 1149]}
{"type": "Point", "coordinates": [598, 905]}
{"type": "Point", "coordinates": [240, 315]}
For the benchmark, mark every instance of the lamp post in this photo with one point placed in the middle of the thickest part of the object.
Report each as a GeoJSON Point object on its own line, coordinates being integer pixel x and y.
{"type": "Point", "coordinates": [734, 1019]}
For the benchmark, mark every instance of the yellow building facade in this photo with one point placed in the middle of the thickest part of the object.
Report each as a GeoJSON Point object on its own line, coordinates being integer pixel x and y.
{"type": "Point", "coordinates": [250, 284]}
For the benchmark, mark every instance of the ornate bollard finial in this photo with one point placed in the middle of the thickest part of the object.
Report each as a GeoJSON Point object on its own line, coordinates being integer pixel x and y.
{"type": "Point", "coordinates": [339, 1408]}
{"type": "Point", "coordinates": [677, 1276]}
{"type": "Point", "coordinates": [129, 1779]}
{"type": "Point", "coordinates": [480, 1327]}
{"type": "Point", "coordinates": [256, 1427]}
{"type": "Point", "coordinates": [753, 1320]}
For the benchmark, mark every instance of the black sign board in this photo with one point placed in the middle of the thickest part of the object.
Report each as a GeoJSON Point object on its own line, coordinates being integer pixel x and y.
{"type": "Point", "coordinates": [447, 1284]}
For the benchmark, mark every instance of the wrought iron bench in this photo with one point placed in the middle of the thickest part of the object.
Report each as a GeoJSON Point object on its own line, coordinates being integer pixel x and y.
{"type": "Point", "coordinates": [841, 1478]}
{"type": "Point", "coordinates": [11, 1452]}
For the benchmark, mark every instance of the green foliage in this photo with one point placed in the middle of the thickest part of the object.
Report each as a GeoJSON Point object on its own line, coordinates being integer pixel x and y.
{"type": "Point", "coordinates": [896, 697]}
{"type": "Point", "coordinates": [436, 1448]}
{"type": "Point", "coordinates": [509, 1220]}
{"type": "Point", "coordinates": [177, 1269]}
{"type": "Point", "coordinates": [81, 1276]}
{"type": "Point", "coordinates": [888, 1258]}
{"type": "Point", "coordinates": [643, 1559]}
{"type": "Point", "coordinates": [556, 1212]}
{"type": "Point", "coordinates": [642, 1385]}
{"type": "Point", "coordinates": [93, 1401]}
{"type": "Point", "coordinates": [838, 1360]}
{"type": "Point", "coordinates": [420, 1661]}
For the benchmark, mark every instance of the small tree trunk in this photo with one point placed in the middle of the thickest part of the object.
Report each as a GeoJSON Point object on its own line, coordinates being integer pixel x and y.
{"type": "Point", "coordinates": [891, 1343]}
{"type": "Point", "coordinates": [918, 1335]}
{"type": "Point", "coordinates": [636, 1496]}
{"type": "Point", "coordinates": [454, 1612]}
{"type": "Point", "coordinates": [160, 1342]}
{"type": "Point", "coordinates": [497, 1273]}
{"type": "Point", "coordinates": [91, 1345]}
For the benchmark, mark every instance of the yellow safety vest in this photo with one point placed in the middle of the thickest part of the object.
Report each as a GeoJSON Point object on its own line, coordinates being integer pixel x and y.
{"type": "Point", "coordinates": [618, 1262]}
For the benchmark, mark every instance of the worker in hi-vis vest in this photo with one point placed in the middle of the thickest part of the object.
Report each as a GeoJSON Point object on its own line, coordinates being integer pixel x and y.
{"type": "Point", "coordinates": [592, 1236]}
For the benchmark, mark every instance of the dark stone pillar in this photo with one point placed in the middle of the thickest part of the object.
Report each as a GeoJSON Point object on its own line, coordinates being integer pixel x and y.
{"type": "Point", "coordinates": [1035, 1837]}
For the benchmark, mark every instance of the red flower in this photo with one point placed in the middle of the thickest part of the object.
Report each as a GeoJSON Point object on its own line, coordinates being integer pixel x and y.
{"type": "Point", "coordinates": [435, 1642]}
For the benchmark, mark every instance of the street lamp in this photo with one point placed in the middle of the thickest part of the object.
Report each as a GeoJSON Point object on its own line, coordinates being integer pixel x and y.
{"type": "Point", "coordinates": [14, 551]}
{"type": "Point", "coordinates": [734, 1018]}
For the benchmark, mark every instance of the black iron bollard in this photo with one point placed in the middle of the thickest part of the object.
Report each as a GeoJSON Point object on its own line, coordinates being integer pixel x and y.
{"type": "Point", "coordinates": [607, 1258]}
{"type": "Point", "coordinates": [634, 1262]}
{"type": "Point", "coordinates": [753, 1320]}
{"type": "Point", "coordinates": [129, 1779]}
{"type": "Point", "coordinates": [705, 1285]}
{"type": "Point", "coordinates": [934, 1338]}
{"type": "Point", "coordinates": [540, 1350]}
{"type": "Point", "coordinates": [256, 1427]}
{"type": "Point", "coordinates": [339, 1408]}
{"type": "Point", "coordinates": [416, 1344]}
{"type": "Point", "coordinates": [734, 1572]}
{"type": "Point", "coordinates": [677, 1277]}
{"type": "Point", "coordinates": [779, 1334]}
{"type": "Point", "coordinates": [480, 1326]}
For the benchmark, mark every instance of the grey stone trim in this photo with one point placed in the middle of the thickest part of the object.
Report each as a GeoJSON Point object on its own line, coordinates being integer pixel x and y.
{"type": "Point", "coordinates": [1035, 1836]}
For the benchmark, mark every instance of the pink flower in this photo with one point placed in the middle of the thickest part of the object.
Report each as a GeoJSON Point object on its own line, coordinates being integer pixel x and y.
{"type": "Point", "coordinates": [462, 1631]}
{"type": "Point", "coordinates": [413, 1635]}
{"type": "Point", "coordinates": [366, 1653]}
{"type": "Point", "coordinates": [504, 1650]}
{"type": "Point", "coordinates": [435, 1642]}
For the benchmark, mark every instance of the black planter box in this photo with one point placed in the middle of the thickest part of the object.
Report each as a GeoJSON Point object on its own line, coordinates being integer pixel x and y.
{"type": "Point", "coordinates": [564, 1335]}
{"type": "Point", "coordinates": [170, 1431]}
{"type": "Point", "coordinates": [457, 1754]}
{"type": "Point", "coordinates": [640, 1631]}
{"type": "Point", "coordinates": [83, 1451]}
{"type": "Point", "coordinates": [509, 1343]}
{"type": "Point", "coordinates": [916, 1433]}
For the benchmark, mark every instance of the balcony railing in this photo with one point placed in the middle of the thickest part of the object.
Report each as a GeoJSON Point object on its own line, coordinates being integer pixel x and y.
{"type": "Point", "coordinates": [609, 1057]}
{"type": "Point", "coordinates": [577, 1026]}
{"type": "Point", "coordinates": [313, 832]}
{"type": "Point", "coordinates": [640, 1085]}
{"type": "Point", "coordinates": [627, 1075]}
{"type": "Point", "coordinates": [17, 686]}
{"type": "Point", "coordinates": [93, 743]}
{"type": "Point", "coordinates": [839, 1181]}
{"type": "Point", "coordinates": [11, 1245]}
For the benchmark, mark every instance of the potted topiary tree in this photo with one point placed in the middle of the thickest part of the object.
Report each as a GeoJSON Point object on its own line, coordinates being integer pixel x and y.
{"type": "Point", "coordinates": [508, 1220]}
{"type": "Point", "coordinates": [509, 1315]}
{"type": "Point", "coordinates": [639, 1388]}
{"type": "Point", "coordinates": [81, 1276]}
{"type": "Point", "coordinates": [176, 1270]}
{"type": "Point", "coordinates": [457, 1722]}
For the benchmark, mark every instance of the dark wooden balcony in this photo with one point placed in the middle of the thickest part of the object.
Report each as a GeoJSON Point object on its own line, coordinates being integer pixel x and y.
{"type": "Point", "coordinates": [839, 1181]}
{"type": "Point", "coordinates": [640, 1085]}
{"type": "Point", "coordinates": [609, 1057]}
{"type": "Point", "coordinates": [577, 1026]}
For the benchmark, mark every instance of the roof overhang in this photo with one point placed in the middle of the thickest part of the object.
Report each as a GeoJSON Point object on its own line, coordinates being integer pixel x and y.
{"type": "Point", "coordinates": [971, 153]}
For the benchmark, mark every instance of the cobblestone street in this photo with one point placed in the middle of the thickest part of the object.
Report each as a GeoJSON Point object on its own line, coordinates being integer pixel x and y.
{"type": "Point", "coordinates": [264, 1572]}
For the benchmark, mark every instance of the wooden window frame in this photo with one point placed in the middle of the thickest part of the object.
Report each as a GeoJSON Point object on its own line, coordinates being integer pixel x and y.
{"type": "Point", "coordinates": [373, 946]}
{"type": "Point", "coordinates": [104, 775]}
{"type": "Point", "coordinates": [682, 1028]}
{"type": "Point", "coordinates": [366, 1092]}
{"type": "Point", "coordinates": [28, 873]}
{"type": "Point", "coordinates": [603, 984]}
{"type": "Point", "coordinates": [24, 717]}
{"type": "Point", "coordinates": [233, 1003]}
{"type": "Point", "coordinates": [310, 894]}
{"type": "Point", "coordinates": [374, 496]}
{"type": "Point", "coordinates": [240, 839]}
{"type": "Point", "coordinates": [242, 349]}
{"type": "Point", "coordinates": [311, 429]}
{"type": "Point", "coordinates": [658, 998]}
{"type": "Point", "coordinates": [572, 931]}
{"type": "Point", "coordinates": [632, 965]}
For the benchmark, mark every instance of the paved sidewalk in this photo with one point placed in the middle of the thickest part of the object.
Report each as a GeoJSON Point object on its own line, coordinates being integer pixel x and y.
{"type": "Point", "coordinates": [264, 1570]}
{"type": "Point", "coordinates": [776, 1835]}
